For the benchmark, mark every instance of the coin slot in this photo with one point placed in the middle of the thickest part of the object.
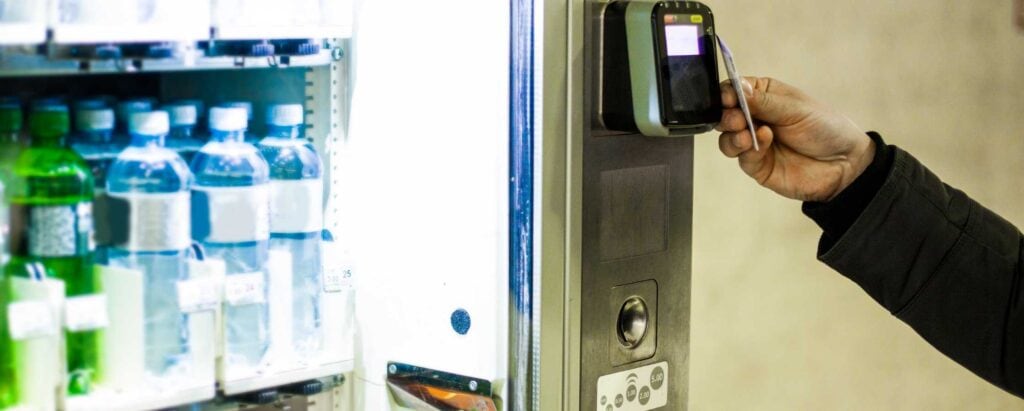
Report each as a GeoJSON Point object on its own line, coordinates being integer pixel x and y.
{"type": "Point", "coordinates": [633, 318]}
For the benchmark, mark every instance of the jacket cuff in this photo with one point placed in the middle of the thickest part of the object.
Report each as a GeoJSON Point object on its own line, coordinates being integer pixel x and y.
{"type": "Point", "coordinates": [837, 216]}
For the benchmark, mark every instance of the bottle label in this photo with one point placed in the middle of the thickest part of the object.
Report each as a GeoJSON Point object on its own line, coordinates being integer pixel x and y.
{"type": "Point", "coordinates": [296, 206]}
{"type": "Point", "coordinates": [52, 231]}
{"type": "Point", "coordinates": [245, 289]}
{"type": "Point", "coordinates": [150, 221]}
{"type": "Point", "coordinates": [31, 319]}
{"type": "Point", "coordinates": [231, 214]}
{"type": "Point", "coordinates": [199, 294]}
{"type": "Point", "coordinates": [85, 313]}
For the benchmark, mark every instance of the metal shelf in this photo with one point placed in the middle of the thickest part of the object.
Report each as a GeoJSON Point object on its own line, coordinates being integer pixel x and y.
{"type": "Point", "coordinates": [19, 62]}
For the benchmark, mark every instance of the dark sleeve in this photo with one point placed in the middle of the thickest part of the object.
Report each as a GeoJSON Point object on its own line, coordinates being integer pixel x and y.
{"type": "Point", "coordinates": [937, 260]}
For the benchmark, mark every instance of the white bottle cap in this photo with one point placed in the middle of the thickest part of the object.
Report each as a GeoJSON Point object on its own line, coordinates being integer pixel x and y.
{"type": "Point", "coordinates": [228, 119]}
{"type": "Point", "coordinates": [284, 115]}
{"type": "Point", "coordinates": [150, 123]}
{"type": "Point", "coordinates": [239, 104]}
{"type": "Point", "coordinates": [127, 107]}
{"type": "Point", "coordinates": [198, 104]}
{"type": "Point", "coordinates": [91, 119]}
{"type": "Point", "coordinates": [181, 114]}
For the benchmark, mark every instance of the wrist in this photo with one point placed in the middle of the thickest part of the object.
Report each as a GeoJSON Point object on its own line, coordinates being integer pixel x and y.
{"type": "Point", "coordinates": [858, 160]}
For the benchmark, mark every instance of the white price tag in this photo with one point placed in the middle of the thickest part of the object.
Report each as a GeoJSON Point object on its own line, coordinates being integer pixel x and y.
{"type": "Point", "coordinates": [337, 279]}
{"type": "Point", "coordinates": [337, 273]}
{"type": "Point", "coordinates": [31, 319]}
{"type": "Point", "coordinates": [243, 289]}
{"type": "Point", "coordinates": [85, 313]}
{"type": "Point", "coordinates": [199, 294]}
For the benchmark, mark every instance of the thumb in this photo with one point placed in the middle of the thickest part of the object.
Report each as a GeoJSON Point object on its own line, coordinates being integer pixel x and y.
{"type": "Point", "coordinates": [770, 106]}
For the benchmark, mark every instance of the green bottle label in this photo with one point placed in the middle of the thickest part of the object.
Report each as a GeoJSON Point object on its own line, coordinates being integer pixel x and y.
{"type": "Point", "coordinates": [52, 231]}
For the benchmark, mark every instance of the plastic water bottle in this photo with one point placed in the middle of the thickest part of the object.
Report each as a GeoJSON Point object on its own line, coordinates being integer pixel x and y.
{"type": "Point", "coordinates": [125, 109]}
{"type": "Point", "coordinates": [95, 140]}
{"type": "Point", "coordinates": [231, 219]}
{"type": "Point", "coordinates": [296, 219]}
{"type": "Point", "coordinates": [201, 132]}
{"type": "Point", "coordinates": [182, 135]}
{"type": "Point", "coordinates": [151, 183]}
{"type": "Point", "coordinates": [247, 106]}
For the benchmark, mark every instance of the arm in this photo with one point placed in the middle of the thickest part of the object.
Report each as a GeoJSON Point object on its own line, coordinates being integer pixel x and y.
{"type": "Point", "coordinates": [936, 259]}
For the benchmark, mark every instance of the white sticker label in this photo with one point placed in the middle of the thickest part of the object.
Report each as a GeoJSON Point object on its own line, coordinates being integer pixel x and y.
{"type": "Point", "coordinates": [296, 206]}
{"type": "Point", "coordinates": [60, 231]}
{"type": "Point", "coordinates": [232, 214]}
{"type": "Point", "coordinates": [156, 221]}
{"type": "Point", "coordinates": [31, 319]}
{"type": "Point", "coordinates": [337, 279]}
{"type": "Point", "coordinates": [638, 389]}
{"type": "Point", "coordinates": [199, 294]}
{"type": "Point", "coordinates": [244, 289]}
{"type": "Point", "coordinates": [337, 273]}
{"type": "Point", "coordinates": [85, 313]}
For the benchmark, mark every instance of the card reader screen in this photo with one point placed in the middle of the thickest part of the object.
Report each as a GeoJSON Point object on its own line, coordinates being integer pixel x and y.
{"type": "Point", "coordinates": [682, 39]}
{"type": "Point", "coordinates": [687, 80]}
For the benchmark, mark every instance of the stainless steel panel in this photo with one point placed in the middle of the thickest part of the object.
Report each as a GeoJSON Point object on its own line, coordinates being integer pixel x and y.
{"type": "Point", "coordinates": [636, 227]}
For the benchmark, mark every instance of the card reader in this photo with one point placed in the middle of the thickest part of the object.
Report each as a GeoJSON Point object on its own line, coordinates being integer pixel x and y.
{"type": "Point", "coordinates": [659, 68]}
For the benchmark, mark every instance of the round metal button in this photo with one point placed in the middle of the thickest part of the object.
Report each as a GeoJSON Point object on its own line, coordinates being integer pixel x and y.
{"type": "Point", "coordinates": [632, 322]}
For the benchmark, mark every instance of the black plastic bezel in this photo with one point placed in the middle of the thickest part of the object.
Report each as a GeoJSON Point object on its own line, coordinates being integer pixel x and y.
{"type": "Point", "coordinates": [696, 118]}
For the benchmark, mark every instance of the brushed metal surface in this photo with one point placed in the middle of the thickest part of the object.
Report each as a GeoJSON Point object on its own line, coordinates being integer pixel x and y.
{"type": "Point", "coordinates": [619, 248]}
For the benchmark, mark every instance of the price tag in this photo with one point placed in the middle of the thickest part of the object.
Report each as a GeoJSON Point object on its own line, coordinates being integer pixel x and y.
{"type": "Point", "coordinates": [31, 319]}
{"type": "Point", "coordinates": [337, 279]}
{"type": "Point", "coordinates": [244, 289]}
{"type": "Point", "coordinates": [199, 294]}
{"type": "Point", "coordinates": [85, 313]}
{"type": "Point", "coordinates": [337, 273]}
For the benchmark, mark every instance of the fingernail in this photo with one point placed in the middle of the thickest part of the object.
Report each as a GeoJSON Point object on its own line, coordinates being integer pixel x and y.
{"type": "Point", "coordinates": [737, 141]}
{"type": "Point", "coordinates": [747, 88]}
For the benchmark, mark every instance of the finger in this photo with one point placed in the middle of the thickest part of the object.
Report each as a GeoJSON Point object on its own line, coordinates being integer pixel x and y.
{"type": "Point", "coordinates": [732, 120]}
{"type": "Point", "coordinates": [729, 145]}
{"type": "Point", "coordinates": [729, 99]}
{"type": "Point", "coordinates": [735, 143]}
{"type": "Point", "coordinates": [772, 101]}
{"type": "Point", "coordinates": [752, 162]}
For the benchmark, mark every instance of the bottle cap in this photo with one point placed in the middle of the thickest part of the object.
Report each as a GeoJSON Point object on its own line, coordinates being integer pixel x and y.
{"type": "Point", "coordinates": [92, 119]}
{"type": "Point", "coordinates": [198, 104]}
{"type": "Point", "coordinates": [239, 104]}
{"type": "Point", "coordinates": [228, 119]}
{"type": "Point", "coordinates": [10, 118]}
{"type": "Point", "coordinates": [127, 107]}
{"type": "Point", "coordinates": [49, 122]}
{"type": "Point", "coordinates": [285, 115]}
{"type": "Point", "coordinates": [90, 103]}
{"type": "Point", "coordinates": [150, 123]}
{"type": "Point", "coordinates": [181, 114]}
{"type": "Point", "coordinates": [45, 102]}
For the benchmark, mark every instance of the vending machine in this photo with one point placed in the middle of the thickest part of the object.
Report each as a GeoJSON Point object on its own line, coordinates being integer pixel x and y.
{"type": "Point", "coordinates": [338, 205]}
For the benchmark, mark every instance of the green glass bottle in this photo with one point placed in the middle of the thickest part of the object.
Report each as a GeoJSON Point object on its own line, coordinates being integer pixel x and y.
{"type": "Point", "coordinates": [51, 223]}
{"type": "Point", "coordinates": [8, 389]}
{"type": "Point", "coordinates": [10, 139]}
{"type": "Point", "coordinates": [10, 130]}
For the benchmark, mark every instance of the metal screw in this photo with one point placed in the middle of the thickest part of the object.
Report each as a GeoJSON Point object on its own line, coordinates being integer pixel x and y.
{"type": "Point", "coordinates": [337, 53]}
{"type": "Point", "coordinates": [392, 369]}
{"type": "Point", "coordinates": [472, 385]}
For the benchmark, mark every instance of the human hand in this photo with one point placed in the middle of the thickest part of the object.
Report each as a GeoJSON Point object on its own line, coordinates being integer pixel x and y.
{"type": "Point", "coordinates": [809, 152]}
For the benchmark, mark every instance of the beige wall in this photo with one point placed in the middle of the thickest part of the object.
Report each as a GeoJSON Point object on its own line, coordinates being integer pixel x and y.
{"type": "Point", "coordinates": [772, 327]}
